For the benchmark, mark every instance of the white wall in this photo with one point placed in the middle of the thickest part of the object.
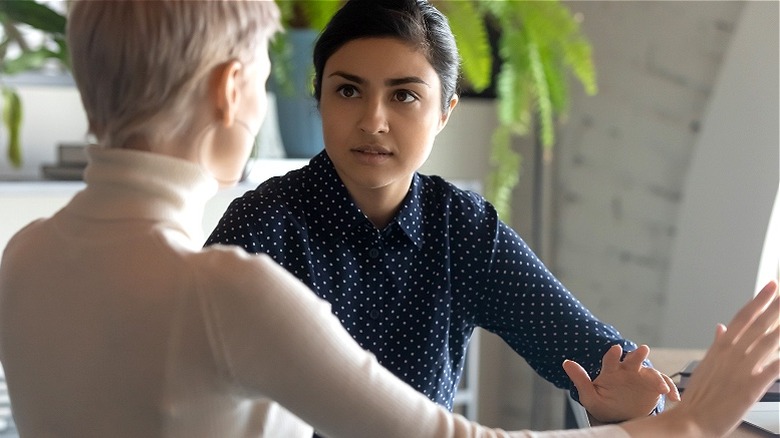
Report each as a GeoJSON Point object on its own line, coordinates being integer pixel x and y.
{"type": "Point", "coordinates": [624, 153]}
{"type": "Point", "coordinates": [730, 188]}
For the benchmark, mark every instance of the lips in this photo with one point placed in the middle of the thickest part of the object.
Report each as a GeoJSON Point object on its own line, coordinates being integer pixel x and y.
{"type": "Point", "coordinates": [372, 150]}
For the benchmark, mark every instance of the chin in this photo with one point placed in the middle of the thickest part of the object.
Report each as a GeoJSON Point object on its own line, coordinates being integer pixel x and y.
{"type": "Point", "coordinates": [223, 183]}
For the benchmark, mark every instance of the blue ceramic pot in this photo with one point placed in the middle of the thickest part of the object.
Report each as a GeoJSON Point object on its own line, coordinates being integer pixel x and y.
{"type": "Point", "coordinates": [300, 123]}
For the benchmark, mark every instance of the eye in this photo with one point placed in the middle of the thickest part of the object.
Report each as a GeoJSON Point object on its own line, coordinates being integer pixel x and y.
{"type": "Point", "coordinates": [405, 96]}
{"type": "Point", "coordinates": [348, 91]}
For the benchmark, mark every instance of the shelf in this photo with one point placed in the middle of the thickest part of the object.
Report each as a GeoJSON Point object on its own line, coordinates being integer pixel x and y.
{"type": "Point", "coordinates": [25, 201]}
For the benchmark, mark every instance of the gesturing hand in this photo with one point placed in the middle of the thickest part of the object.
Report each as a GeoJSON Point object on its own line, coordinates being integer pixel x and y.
{"type": "Point", "coordinates": [624, 389]}
{"type": "Point", "coordinates": [742, 362]}
{"type": "Point", "coordinates": [739, 366]}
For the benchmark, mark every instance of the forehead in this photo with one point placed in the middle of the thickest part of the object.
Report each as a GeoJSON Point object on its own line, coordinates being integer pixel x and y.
{"type": "Point", "coordinates": [381, 58]}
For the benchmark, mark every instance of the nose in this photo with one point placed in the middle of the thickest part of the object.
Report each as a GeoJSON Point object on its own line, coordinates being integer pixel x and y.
{"type": "Point", "coordinates": [374, 117]}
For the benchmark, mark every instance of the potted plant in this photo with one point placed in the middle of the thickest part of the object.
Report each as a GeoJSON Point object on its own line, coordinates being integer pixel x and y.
{"type": "Point", "coordinates": [17, 55]}
{"type": "Point", "coordinates": [291, 81]}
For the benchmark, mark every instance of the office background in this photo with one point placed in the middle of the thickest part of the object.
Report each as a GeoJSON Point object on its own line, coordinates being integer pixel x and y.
{"type": "Point", "coordinates": [657, 197]}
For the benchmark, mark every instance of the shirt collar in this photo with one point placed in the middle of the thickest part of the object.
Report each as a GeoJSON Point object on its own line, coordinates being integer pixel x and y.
{"type": "Point", "coordinates": [409, 217]}
{"type": "Point", "coordinates": [335, 220]}
{"type": "Point", "coordinates": [329, 220]}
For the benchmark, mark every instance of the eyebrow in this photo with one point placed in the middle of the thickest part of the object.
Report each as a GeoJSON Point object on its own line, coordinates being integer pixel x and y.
{"type": "Point", "coordinates": [392, 82]}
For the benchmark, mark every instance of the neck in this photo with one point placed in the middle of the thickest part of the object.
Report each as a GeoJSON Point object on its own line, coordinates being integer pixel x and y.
{"type": "Point", "coordinates": [379, 205]}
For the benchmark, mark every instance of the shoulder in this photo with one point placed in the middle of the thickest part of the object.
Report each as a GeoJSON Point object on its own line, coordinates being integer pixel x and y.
{"type": "Point", "coordinates": [248, 286]}
{"type": "Point", "coordinates": [228, 267]}
{"type": "Point", "coordinates": [438, 192]}
{"type": "Point", "coordinates": [21, 245]}
{"type": "Point", "coordinates": [279, 196]}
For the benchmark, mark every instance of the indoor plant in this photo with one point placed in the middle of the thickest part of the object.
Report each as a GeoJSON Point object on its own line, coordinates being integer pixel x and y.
{"type": "Point", "coordinates": [18, 55]}
{"type": "Point", "coordinates": [537, 43]}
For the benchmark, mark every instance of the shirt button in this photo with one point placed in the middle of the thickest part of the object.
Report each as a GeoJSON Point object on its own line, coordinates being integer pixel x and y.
{"type": "Point", "coordinates": [373, 253]}
{"type": "Point", "coordinates": [374, 314]}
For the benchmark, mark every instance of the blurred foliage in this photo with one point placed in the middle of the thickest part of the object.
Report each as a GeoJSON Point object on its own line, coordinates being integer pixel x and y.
{"type": "Point", "coordinates": [538, 43]}
{"type": "Point", "coordinates": [17, 55]}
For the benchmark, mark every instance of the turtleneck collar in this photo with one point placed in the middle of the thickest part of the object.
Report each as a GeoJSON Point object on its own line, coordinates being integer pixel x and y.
{"type": "Point", "coordinates": [131, 184]}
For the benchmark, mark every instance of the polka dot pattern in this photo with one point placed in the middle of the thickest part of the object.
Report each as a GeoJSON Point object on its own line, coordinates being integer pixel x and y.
{"type": "Point", "coordinates": [413, 292]}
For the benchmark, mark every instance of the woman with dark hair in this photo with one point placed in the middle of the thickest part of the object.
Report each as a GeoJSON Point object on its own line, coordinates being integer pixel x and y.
{"type": "Point", "coordinates": [410, 263]}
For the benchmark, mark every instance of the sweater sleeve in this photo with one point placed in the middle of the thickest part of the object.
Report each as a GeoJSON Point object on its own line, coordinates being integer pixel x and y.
{"type": "Point", "coordinates": [280, 341]}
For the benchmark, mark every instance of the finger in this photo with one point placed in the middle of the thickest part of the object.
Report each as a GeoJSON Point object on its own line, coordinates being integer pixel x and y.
{"type": "Point", "coordinates": [634, 360]}
{"type": "Point", "coordinates": [674, 393]}
{"type": "Point", "coordinates": [611, 359]}
{"type": "Point", "coordinates": [579, 378]}
{"type": "Point", "coordinates": [655, 380]}
{"type": "Point", "coordinates": [770, 374]}
{"type": "Point", "coordinates": [766, 347]}
{"type": "Point", "coordinates": [763, 323]}
{"type": "Point", "coordinates": [749, 311]}
{"type": "Point", "coordinates": [762, 380]}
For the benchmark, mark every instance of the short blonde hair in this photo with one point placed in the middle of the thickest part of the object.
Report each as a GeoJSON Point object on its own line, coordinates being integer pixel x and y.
{"type": "Point", "coordinates": [140, 64]}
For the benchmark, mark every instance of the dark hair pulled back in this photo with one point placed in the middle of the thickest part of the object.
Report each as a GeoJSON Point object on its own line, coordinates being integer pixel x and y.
{"type": "Point", "coordinates": [415, 22]}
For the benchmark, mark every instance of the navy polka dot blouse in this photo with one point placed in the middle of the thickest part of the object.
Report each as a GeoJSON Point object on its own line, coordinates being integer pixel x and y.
{"type": "Point", "coordinates": [413, 292]}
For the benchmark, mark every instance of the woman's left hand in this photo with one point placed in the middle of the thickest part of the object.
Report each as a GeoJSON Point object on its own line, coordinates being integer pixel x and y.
{"type": "Point", "coordinates": [624, 389]}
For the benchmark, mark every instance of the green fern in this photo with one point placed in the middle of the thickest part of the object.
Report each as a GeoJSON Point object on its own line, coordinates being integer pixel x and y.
{"type": "Point", "coordinates": [505, 175]}
{"type": "Point", "coordinates": [540, 42]}
{"type": "Point", "coordinates": [472, 40]}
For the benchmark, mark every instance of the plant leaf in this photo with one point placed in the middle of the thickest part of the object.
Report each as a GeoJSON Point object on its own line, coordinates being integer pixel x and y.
{"type": "Point", "coordinates": [543, 108]}
{"type": "Point", "coordinates": [506, 173]}
{"type": "Point", "coordinates": [319, 12]}
{"type": "Point", "coordinates": [34, 14]}
{"type": "Point", "coordinates": [578, 55]}
{"type": "Point", "coordinates": [468, 25]}
{"type": "Point", "coordinates": [31, 60]}
{"type": "Point", "coordinates": [514, 84]}
{"type": "Point", "coordinates": [12, 118]}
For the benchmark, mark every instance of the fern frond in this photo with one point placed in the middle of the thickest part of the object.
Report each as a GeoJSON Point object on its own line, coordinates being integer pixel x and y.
{"type": "Point", "coordinates": [557, 84]}
{"type": "Point", "coordinates": [513, 101]}
{"type": "Point", "coordinates": [512, 87]}
{"type": "Point", "coordinates": [544, 110]}
{"type": "Point", "coordinates": [505, 175]}
{"type": "Point", "coordinates": [578, 55]}
{"type": "Point", "coordinates": [472, 40]}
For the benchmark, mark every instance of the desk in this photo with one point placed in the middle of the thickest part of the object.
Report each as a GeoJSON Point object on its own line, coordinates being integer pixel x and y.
{"type": "Point", "coordinates": [669, 361]}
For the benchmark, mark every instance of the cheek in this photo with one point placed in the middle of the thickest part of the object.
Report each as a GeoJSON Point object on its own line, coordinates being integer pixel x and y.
{"type": "Point", "coordinates": [333, 124]}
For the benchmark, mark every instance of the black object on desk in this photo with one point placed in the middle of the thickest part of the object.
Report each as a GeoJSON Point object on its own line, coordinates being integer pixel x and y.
{"type": "Point", "coordinates": [771, 395]}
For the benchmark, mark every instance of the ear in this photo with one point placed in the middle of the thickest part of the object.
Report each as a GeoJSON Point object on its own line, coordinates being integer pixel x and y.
{"type": "Point", "coordinates": [445, 117]}
{"type": "Point", "coordinates": [227, 91]}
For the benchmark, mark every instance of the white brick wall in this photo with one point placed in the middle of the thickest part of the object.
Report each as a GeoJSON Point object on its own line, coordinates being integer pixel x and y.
{"type": "Point", "coordinates": [624, 153]}
{"type": "Point", "coordinates": [619, 169]}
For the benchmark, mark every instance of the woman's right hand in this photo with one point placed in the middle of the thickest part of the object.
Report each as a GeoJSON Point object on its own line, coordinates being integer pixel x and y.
{"type": "Point", "coordinates": [738, 368]}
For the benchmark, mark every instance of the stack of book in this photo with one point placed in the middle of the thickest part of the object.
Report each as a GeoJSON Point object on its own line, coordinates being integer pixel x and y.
{"type": "Point", "coordinates": [71, 161]}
